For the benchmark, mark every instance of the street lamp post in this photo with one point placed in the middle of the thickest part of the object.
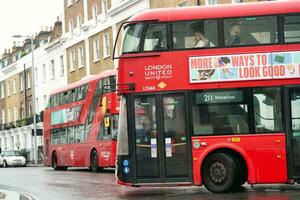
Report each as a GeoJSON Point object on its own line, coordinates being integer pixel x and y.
{"type": "Point", "coordinates": [33, 94]}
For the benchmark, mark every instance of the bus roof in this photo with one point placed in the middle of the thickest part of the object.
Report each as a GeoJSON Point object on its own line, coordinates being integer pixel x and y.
{"type": "Point", "coordinates": [85, 80]}
{"type": "Point", "coordinates": [219, 11]}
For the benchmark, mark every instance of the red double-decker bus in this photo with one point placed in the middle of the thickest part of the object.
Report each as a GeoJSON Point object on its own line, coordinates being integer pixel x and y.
{"type": "Point", "coordinates": [81, 122]}
{"type": "Point", "coordinates": [212, 96]}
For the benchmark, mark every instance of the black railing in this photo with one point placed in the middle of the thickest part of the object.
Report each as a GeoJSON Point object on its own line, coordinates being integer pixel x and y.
{"type": "Point", "coordinates": [19, 123]}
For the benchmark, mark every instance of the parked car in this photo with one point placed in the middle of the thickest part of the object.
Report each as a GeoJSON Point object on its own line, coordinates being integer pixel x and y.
{"type": "Point", "coordinates": [12, 158]}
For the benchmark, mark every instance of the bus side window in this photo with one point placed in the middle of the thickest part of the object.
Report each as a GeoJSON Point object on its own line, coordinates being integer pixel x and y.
{"type": "Point", "coordinates": [267, 110]}
{"type": "Point", "coordinates": [80, 134]}
{"type": "Point", "coordinates": [184, 36]}
{"type": "Point", "coordinates": [51, 102]}
{"type": "Point", "coordinates": [250, 31]}
{"type": "Point", "coordinates": [71, 136]}
{"type": "Point", "coordinates": [63, 136]}
{"type": "Point", "coordinates": [54, 136]}
{"type": "Point", "coordinates": [70, 96]}
{"type": "Point", "coordinates": [292, 28]}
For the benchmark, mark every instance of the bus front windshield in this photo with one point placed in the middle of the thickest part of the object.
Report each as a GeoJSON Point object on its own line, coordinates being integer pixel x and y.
{"type": "Point", "coordinates": [132, 37]}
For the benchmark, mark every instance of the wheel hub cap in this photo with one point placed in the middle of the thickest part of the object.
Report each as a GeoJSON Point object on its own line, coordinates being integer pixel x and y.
{"type": "Point", "coordinates": [218, 172]}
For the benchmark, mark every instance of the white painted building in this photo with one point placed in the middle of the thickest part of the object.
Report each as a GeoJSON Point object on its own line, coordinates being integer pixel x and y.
{"type": "Point", "coordinates": [49, 66]}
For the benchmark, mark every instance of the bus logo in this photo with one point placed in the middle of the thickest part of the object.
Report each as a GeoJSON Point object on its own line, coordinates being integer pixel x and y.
{"type": "Point", "coordinates": [162, 85]}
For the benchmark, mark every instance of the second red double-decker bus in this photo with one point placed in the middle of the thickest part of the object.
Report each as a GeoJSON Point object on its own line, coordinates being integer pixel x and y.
{"type": "Point", "coordinates": [81, 123]}
{"type": "Point", "coordinates": [214, 96]}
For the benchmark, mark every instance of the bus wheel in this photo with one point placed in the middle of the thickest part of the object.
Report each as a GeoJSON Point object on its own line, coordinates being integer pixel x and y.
{"type": "Point", "coordinates": [241, 172]}
{"type": "Point", "coordinates": [94, 161]}
{"type": "Point", "coordinates": [54, 161]}
{"type": "Point", "coordinates": [219, 172]}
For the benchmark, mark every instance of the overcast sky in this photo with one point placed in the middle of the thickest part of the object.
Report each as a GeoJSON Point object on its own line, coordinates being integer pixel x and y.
{"type": "Point", "coordinates": [26, 17]}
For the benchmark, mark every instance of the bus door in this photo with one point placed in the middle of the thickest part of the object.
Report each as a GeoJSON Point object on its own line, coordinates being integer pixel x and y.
{"type": "Point", "coordinates": [161, 140]}
{"type": "Point", "coordinates": [293, 130]}
{"type": "Point", "coordinates": [106, 136]}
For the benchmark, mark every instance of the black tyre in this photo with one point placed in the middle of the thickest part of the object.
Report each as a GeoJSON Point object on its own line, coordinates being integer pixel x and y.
{"type": "Point", "coordinates": [94, 161]}
{"type": "Point", "coordinates": [241, 172]}
{"type": "Point", "coordinates": [219, 173]}
{"type": "Point", "coordinates": [54, 162]}
{"type": "Point", "coordinates": [5, 164]}
{"type": "Point", "coordinates": [63, 168]}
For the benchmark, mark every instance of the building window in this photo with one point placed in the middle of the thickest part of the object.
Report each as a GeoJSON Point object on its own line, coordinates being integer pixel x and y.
{"type": "Point", "coordinates": [28, 77]}
{"type": "Point", "coordinates": [106, 45]}
{"type": "Point", "coordinates": [95, 11]}
{"type": "Point", "coordinates": [15, 113]}
{"type": "Point", "coordinates": [21, 82]}
{"type": "Point", "coordinates": [79, 20]}
{"type": "Point", "coordinates": [9, 115]}
{"type": "Point", "coordinates": [211, 2]}
{"type": "Point", "coordinates": [3, 116]}
{"type": "Point", "coordinates": [36, 76]}
{"type": "Point", "coordinates": [29, 108]}
{"type": "Point", "coordinates": [71, 25]}
{"type": "Point", "coordinates": [237, 1]}
{"type": "Point", "coordinates": [36, 105]}
{"type": "Point", "coordinates": [15, 86]}
{"type": "Point", "coordinates": [2, 91]}
{"type": "Point", "coordinates": [44, 72]}
{"type": "Point", "coordinates": [8, 88]}
{"type": "Point", "coordinates": [62, 66]}
{"type": "Point", "coordinates": [104, 7]}
{"type": "Point", "coordinates": [80, 57]}
{"type": "Point", "coordinates": [72, 60]}
{"type": "Point", "coordinates": [52, 70]}
{"type": "Point", "coordinates": [22, 113]}
{"type": "Point", "coordinates": [70, 2]}
{"type": "Point", "coordinates": [182, 4]}
{"type": "Point", "coordinates": [96, 48]}
{"type": "Point", "coordinates": [45, 101]}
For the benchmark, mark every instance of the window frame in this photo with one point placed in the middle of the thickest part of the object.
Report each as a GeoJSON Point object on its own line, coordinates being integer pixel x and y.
{"type": "Point", "coordinates": [96, 49]}
{"type": "Point", "coordinates": [221, 36]}
{"type": "Point", "coordinates": [248, 95]}
{"type": "Point", "coordinates": [80, 52]}
{"type": "Point", "coordinates": [72, 60]}
{"type": "Point", "coordinates": [283, 28]}
{"type": "Point", "coordinates": [106, 44]}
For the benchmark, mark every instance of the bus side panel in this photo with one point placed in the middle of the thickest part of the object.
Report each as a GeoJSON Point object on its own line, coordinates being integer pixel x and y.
{"type": "Point", "coordinates": [47, 138]}
{"type": "Point", "coordinates": [265, 155]}
{"type": "Point", "coordinates": [107, 157]}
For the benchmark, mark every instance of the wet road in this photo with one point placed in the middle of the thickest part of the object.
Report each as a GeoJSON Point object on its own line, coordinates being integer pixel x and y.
{"type": "Point", "coordinates": [80, 184]}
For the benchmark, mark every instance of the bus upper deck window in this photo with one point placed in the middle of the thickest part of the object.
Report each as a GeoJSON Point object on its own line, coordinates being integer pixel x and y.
{"type": "Point", "coordinates": [132, 37]}
{"type": "Point", "coordinates": [250, 31]}
{"type": "Point", "coordinates": [195, 34]}
{"type": "Point", "coordinates": [155, 37]}
{"type": "Point", "coordinates": [292, 28]}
